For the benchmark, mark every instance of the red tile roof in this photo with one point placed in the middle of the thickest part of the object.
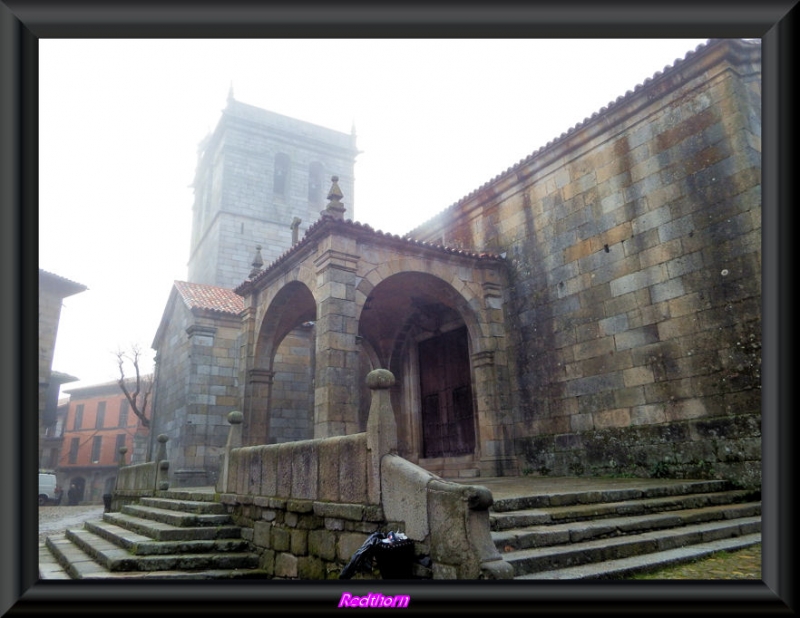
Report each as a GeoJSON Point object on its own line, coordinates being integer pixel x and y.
{"type": "Point", "coordinates": [202, 296]}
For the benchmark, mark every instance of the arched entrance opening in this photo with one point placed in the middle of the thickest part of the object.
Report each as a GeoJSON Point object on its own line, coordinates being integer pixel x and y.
{"type": "Point", "coordinates": [281, 385]}
{"type": "Point", "coordinates": [420, 328]}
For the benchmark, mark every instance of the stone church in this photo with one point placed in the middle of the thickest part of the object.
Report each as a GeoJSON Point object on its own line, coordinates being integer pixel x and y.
{"type": "Point", "coordinates": [593, 310]}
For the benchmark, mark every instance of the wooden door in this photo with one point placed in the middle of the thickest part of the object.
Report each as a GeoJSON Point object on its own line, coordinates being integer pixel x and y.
{"type": "Point", "coordinates": [446, 391]}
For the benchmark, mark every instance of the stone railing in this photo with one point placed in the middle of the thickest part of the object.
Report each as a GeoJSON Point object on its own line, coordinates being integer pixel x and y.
{"type": "Point", "coordinates": [307, 506]}
{"type": "Point", "coordinates": [140, 480]}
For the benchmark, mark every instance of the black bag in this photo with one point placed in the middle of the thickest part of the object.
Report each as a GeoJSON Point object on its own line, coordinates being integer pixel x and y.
{"type": "Point", "coordinates": [394, 553]}
{"type": "Point", "coordinates": [395, 560]}
{"type": "Point", "coordinates": [362, 554]}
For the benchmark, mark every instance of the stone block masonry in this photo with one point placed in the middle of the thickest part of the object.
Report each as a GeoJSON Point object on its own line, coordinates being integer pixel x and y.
{"type": "Point", "coordinates": [308, 506]}
{"type": "Point", "coordinates": [635, 267]}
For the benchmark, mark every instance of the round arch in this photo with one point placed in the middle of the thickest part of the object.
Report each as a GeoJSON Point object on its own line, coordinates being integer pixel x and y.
{"type": "Point", "coordinates": [280, 385]}
{"type": "Point", "coordinates": [425, 331]}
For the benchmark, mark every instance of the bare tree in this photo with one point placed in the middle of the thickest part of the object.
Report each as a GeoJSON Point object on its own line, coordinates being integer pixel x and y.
{"type": "Point", "coordinates": [137, 389]}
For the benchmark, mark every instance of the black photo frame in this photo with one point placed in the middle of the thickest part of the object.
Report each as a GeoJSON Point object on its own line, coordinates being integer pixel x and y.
{"type": "Point", "coordinates": [23, 23]}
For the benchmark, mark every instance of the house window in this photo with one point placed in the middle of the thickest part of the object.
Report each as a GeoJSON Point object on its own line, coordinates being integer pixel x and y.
{"type": "Point", "coordinates": [73, 450]}
{"type": "Point", "coordinates": [281, 173]}
{"type": "Point", "coordinates": [120, 443]}
{"type": "Point", "coordinates": [124, 406]}
{"type": "Point", "coordinates": [97, 442]}
{"type": "Point", "coordinates": [101, 415]}
{"type": "Point", "coordinates": [78, 417]}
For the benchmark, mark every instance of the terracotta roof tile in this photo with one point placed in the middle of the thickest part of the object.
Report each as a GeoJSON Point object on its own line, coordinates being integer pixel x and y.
{"type": "Point", "coordinates": [203, 296]}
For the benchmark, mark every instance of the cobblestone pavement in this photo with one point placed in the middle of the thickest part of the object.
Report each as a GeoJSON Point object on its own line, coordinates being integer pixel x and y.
{"type": "Point", "coordinates": [54, 519]}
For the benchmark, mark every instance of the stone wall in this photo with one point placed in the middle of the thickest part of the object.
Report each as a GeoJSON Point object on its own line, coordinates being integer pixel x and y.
{"type": "Point", "coordinates": [292, 396]}
{"type": "Point", "coordinates": [196, 387]}
{"type": "Point", "coordinates": [306, 519]}
{"type": "Point", "coordinates": [633, 247]}
{"type": "Point", "coordinates": [308, 506]}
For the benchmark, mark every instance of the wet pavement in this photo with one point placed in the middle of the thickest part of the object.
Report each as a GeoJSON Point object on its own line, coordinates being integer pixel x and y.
{"type": "Point", "coordinates": [55, 519]}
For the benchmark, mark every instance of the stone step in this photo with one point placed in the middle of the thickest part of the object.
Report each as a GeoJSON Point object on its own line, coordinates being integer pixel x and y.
{"type": "Point", "coordinates": [141, 544]}
{"type": "Point", "coordinates": [539, 559]}
{"type": "Point", "coordinates": [582, 512]}
{"type": "Point", "coordinates": [59, 558]}
{"type": "Point", "coordinates": [195, 494]}
{"type": "Point", "coordinates": [114, 558]}
{"type": "Point", "coordinates": [176, 518]}
{"type": "Point", "coordinates": [186, 506]}
{"type": "Point", "coordinates": [164, 531]}
{"type": "Point", "coordinates": [619, 494]}
{"type": "Point", "coordinates": [646, 563]}
{"type": "Point", "coordinates": [555, 531]}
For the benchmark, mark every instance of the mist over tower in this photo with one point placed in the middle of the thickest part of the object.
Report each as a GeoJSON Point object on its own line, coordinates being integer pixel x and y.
{"type": "Point", "coordinates": [257, 173]}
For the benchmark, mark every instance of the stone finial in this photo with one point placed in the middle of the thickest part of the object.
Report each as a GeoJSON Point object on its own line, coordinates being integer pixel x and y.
{"type": "Point", "coordinates": [335, 208]}
{"type": "Point", "coordinates": [295, 229]}
{"type": "Point", "coordinates": [230, 93]}
{"type": "Point", "coordinates": [258, 262]}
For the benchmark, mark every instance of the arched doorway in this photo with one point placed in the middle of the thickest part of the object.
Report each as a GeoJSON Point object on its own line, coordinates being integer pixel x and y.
{"type": "Point", "coordinates": [419, 328]}
{"type": "Point", "coordinates": [447, 412]}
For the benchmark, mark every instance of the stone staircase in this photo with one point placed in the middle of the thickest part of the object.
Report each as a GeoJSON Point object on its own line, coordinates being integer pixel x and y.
{"type": "Point", "coordinates": [178, 535]}
{"type": "Point", "coordinates": [619, 532]}
{"type": "Point", "coordinates": [589, 532]}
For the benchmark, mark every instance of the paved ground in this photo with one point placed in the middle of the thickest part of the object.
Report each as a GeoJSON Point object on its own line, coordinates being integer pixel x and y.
{"type": "Point", "coordinates": [54, 519]}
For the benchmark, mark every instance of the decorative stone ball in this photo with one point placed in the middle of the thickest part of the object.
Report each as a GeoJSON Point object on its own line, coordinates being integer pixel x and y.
{"type": "Point", "coordinates": [380, 378]}
{"type": "Point", "coordinates": [162, 437]}
{"type": "Point", "coordinates": [235, 417]}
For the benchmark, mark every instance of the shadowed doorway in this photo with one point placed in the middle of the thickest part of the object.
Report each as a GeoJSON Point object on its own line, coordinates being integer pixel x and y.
{"type": "Point", "coordinates": [448, 427]}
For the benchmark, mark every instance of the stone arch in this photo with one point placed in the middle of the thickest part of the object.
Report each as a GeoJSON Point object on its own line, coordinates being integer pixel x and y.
{"type": "Point", "coordinates": [279, 396]}
{"type": "Point", "coordinates": [399, 313]}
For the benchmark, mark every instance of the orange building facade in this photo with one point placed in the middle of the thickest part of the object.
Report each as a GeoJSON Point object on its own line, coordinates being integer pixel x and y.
{"type": "Point", "coordinates": [99, 422]}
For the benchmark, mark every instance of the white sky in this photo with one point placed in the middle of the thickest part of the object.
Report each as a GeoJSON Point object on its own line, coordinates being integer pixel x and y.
{"type": "Point", "coordinates": [120, 121]}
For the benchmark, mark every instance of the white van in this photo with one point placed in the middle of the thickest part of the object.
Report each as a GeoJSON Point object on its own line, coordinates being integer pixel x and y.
{"type": "Point", "coordinates": [49, 491]}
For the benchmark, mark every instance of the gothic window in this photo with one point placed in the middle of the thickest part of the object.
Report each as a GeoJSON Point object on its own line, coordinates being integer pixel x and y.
{"type": "Point", "coordinates": [281, 173]}
{"type": "Point", "coordinates": [315, 183]}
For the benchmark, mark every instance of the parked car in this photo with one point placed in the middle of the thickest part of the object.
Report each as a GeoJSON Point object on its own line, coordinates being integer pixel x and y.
{"type": "Point", "coordinates": [49, 491]}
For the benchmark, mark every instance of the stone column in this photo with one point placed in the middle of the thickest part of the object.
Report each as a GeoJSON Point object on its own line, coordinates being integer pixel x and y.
{"type": "Point", "coordinates": [494, 421]}
{"type": "Point", "coordinates": [162, 464]}
{"type": "Point", "coordinates": [234, 441]}
{"type": "Point", "coordinates": [336, 355]}
{"type": "Point", "coordinates": [259, 393]}
{"type": "Point", "coordinates": [381, 429]}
